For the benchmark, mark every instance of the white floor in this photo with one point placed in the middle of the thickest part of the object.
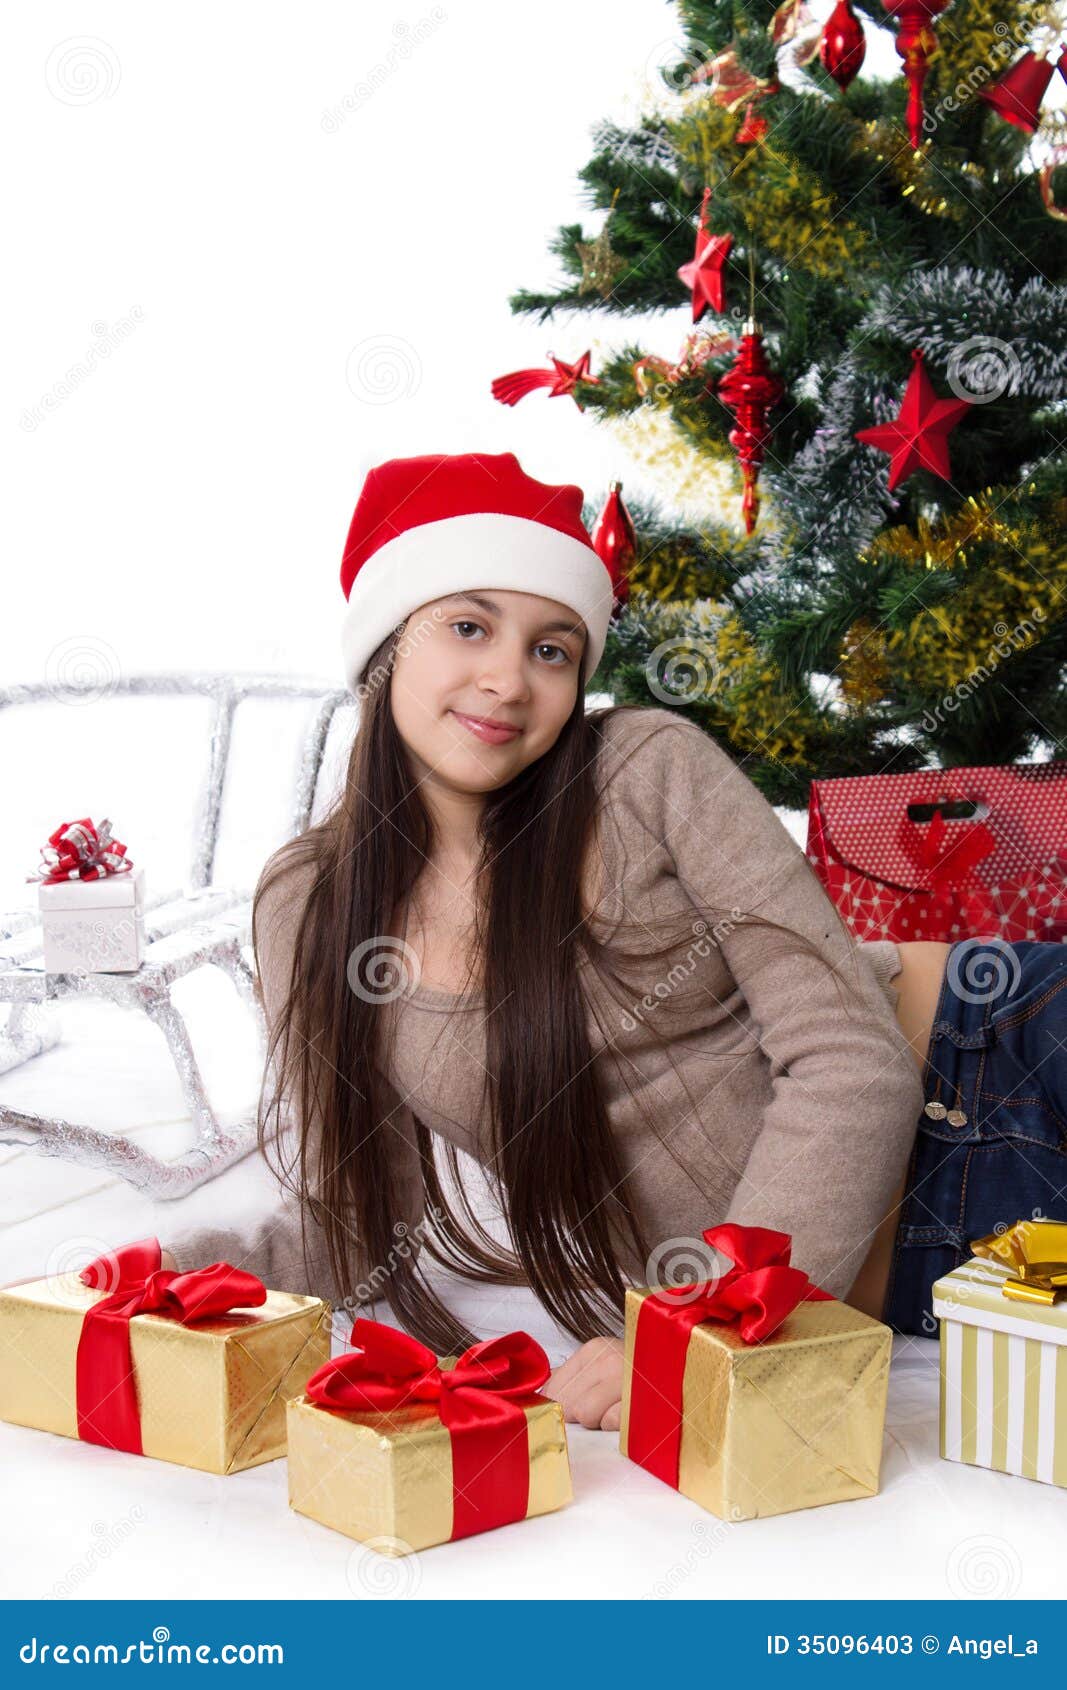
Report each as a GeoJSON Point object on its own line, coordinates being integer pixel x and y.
{"type": "Point", "coordinates": [98, 1523]}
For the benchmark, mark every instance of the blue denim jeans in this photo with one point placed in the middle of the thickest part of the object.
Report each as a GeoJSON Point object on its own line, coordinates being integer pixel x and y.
{"type": "Point", "coordinates": [991, 1146]}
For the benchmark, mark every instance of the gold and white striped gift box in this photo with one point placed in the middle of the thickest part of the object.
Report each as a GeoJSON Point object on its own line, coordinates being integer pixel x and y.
{"type": "Point", "coordinates": [1003, 1375]}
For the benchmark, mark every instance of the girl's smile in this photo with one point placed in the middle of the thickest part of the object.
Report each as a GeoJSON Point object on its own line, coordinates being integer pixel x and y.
{"type": "Point", "coordinates": [487, 730]}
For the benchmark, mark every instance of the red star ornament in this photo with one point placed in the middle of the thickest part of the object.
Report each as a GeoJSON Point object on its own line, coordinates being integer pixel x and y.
{"type": "Point", "coordinates": [561, 380]}
{"type": "Point", "coordinates": [918, 438]}
{"type": "Point", "coordinates": [703, 273]}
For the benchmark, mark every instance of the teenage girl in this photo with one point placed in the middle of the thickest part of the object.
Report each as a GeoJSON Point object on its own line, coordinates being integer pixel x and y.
{"type": "Point", "coordinates": [500, 841]}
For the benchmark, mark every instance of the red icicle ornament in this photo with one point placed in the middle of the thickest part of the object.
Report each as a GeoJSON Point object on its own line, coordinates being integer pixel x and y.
{"type": "Point", "coordinates": [842, 45]}
{"type": "Point", "coordinates": [915, 43]}
{"type": "Point", "coordinates": [615, 543]}
{"type": "Point", "coordinates": [750, 389]}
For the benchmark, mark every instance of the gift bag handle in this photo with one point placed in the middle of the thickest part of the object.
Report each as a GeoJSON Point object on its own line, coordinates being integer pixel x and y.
{"type": "Point", "coordinates": [950, 809]}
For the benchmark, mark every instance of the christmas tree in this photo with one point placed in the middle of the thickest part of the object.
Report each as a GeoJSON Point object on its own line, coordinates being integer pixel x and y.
{"type": "Point", "coordinates": [867, 408]}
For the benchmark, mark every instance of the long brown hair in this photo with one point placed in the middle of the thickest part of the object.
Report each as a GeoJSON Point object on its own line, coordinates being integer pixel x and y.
{"type": "Point", "coordinates": [556, 1166]}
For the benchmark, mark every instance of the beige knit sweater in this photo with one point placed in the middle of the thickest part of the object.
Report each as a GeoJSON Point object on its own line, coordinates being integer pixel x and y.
{"type": "Point", "coordinates": [780, 1098]}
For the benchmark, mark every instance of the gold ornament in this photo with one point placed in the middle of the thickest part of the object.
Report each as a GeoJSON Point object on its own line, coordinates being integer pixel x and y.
{"type": "Point", "coordinates": [601, 264]}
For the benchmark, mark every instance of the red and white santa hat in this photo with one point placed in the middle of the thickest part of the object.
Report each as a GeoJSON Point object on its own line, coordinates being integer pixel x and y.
{"type": "Point", "coordinates": [428, 526]}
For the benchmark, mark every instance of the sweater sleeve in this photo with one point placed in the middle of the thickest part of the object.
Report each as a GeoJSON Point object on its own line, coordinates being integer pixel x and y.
{"type": "Point", "coordinates": [835, 1138]}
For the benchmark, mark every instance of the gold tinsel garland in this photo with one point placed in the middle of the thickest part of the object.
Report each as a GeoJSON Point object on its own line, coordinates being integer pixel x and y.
{"type": "Point", "coordinates": [863, 671]}
{"type": "Point", "coordinates": [949, 643]}
{"type": "Point", "coordinates": [796, 217]}
{"type": "Point", "coordinates": [759, 716]}
{"type": "Point", "coordinates": [918, 176]}
{"type": "Point", "coordinates": [948, 543]}
{"type": "Point", "coordinates": [1013, 586]}
{"type": "Point", "coordinates": [1013, 596]}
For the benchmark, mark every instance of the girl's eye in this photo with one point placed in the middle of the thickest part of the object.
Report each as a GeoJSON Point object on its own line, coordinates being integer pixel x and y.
{"type": "Point", "coordinates": [542, 645]}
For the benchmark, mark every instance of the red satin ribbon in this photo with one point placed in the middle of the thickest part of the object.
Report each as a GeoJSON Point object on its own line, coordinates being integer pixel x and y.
{"type": "Point", "coordinates": [80, 851]}
{"type": "Point", "coordinates": [108, 1411]}
{"type": "Point", "coordinates": [757, 1293]}
{"type": "Point", "coordinates": [477, 1401]}
{"type": "Point", "coordinates": [946, 860]}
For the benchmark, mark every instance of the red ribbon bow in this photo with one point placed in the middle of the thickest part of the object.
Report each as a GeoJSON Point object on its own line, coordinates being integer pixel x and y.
{"type": "Point", "coordinates": [947, 859]}
{"type": "Point", "coordinates": [108, 1411]}
{"type": "Point", "coordinates": [757, 1293]}
{"type": "Point", "coordinates": [80, 851]}
{"type": "Point", "coordinates": [477, 1400]}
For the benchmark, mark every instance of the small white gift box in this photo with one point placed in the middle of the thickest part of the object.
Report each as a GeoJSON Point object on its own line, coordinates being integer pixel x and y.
{"type": "Point", "coordinates": [1004, 1356]}
{"type": "Point", "coordinates": [93, 926]}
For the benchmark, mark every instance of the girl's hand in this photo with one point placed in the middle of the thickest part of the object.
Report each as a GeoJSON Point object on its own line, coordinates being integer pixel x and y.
{"type": "Point", "coordinates": [588, 1385]}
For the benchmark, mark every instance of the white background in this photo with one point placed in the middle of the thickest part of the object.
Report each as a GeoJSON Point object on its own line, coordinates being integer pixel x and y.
{"type": "Point", "coordinates": [309, 289]}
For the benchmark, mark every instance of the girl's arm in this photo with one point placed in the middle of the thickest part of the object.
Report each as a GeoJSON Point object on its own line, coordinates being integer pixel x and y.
{"type": "Point", "coordinates": [834, 1140]}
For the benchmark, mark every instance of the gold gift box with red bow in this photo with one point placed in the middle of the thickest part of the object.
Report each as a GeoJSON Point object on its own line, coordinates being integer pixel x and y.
{"type": "Point", "coordinates": [755, 1393]}
{"type": "Point", "coordinates": [402, 1451]}
{"type": "Point", "coordinates": [209, 1394]}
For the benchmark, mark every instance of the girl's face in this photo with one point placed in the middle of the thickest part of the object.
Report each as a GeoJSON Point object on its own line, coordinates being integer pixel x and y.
{"type": "Point", "coordinates": [513, 658]}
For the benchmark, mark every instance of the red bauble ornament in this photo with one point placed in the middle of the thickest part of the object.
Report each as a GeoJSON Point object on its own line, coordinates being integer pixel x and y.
{"type": "Point", "coordinates": [842, 45]}
{"type": "Point", "coordinates": [615, 543]}
{"type": "Point", "coordinates": [704, 271]}
{"type": "Point", "coordinates": [918, 438]}
{"type": "Point", "coordinates": [1017, 95]}
{"type": "Point", "coordinates": [750, 389]}
{"type": "Point", "coordinates": [915, 43]}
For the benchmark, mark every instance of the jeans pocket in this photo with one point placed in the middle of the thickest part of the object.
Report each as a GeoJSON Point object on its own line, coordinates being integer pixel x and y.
{"type": "Point", "coordinates": [1033, 980]}
{"type": "Point", "coordinates": [1023, 1083]}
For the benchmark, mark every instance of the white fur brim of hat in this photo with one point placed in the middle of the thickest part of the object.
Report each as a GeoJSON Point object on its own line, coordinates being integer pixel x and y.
{"type": "Point", "coordinates": [469, 553]}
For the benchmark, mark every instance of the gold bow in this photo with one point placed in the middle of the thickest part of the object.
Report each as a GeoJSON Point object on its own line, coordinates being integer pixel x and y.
{"type": "Point", "coordinates": [1036, 1251]}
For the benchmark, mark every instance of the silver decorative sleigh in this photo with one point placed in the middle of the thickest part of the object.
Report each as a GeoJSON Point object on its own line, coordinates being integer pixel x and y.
{"type": "Point", "coordinates": [202, 925]}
